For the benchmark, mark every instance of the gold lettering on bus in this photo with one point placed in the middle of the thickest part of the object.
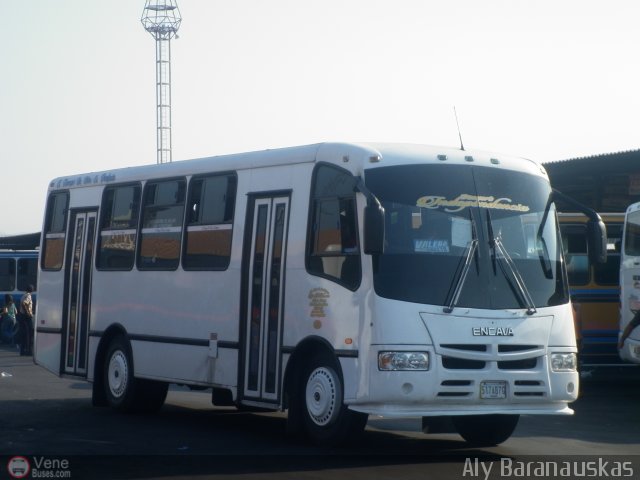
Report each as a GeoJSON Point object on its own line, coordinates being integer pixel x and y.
{"type": "Point", "coordinates": [318, 301]}
{"type": "Point", "coordinates": [465, 200]}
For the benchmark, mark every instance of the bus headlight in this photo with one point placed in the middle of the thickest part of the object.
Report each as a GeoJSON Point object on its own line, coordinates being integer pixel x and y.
{"type": "Point", "coordinates": [389, 361]}
{"type": "Point", "coordinates": [564, 362]}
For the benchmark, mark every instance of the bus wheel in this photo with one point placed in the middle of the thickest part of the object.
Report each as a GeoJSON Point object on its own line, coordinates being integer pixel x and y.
{"type": "Point", "coordinates": [119, 383]}
{"type": "Point", "coordinates": [326, 419]}
{"type": "Point", "coordinates": [485, 430]}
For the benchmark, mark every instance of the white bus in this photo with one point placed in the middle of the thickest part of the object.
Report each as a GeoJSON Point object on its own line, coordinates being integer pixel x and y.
{"type": "Point", "coordinates": [333, 281]}
{"type": "Point", "coordinates": [629, 342]}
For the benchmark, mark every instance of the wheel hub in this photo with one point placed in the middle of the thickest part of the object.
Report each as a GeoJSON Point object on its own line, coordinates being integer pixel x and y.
{"type": "Point", "coordinates": [321, 396]}
{"type": "Point", "coordinates": [118, 374]}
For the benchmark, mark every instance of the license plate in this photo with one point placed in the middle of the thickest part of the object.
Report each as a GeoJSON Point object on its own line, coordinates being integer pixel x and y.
{"type": "Point", "coordinates": [493, 390]}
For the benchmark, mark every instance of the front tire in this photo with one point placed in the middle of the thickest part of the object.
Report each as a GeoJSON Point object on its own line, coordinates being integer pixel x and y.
{"type": "Point", "coordinates": [485, 430]}
{"type": "Point", "coordinates": [325, 417]}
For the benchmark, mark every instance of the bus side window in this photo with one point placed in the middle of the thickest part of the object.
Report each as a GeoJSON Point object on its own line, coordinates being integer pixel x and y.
{"type": "Point", "coordinates": [334, 250]}
{"type": "Point", "coordinates": [7, 275]}
{"type": "Point", "coordinates": [209, 226]}
{"type": "Point", "coordinates": [162, 219]}
{"type": "Point", "coordinates": [54, 231]}
{"type": "Point", "coordinates": [118, 227]}
{"type": "Point", "coordinates": [27, 273]}
{"type": "Point", "coordinates": [574, 240]}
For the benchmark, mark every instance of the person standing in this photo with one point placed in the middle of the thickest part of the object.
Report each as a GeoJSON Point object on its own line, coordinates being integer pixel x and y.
{"type": "Point", "coordinates": [26, 322]}
{"type": "Point", "coordinates": [9, 324]}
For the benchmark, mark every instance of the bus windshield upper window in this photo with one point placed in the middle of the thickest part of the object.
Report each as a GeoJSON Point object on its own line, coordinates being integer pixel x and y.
{"type": "Point", "coordinates": [209, 222]}
{"type": "Point", "coordinates": [54, 234]}
{"type": "Point", "coordinates": [162, 218]}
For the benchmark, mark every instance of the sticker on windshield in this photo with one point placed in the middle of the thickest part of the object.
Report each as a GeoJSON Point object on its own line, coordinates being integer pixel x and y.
{"type": "Point", "coordinates": [430, 246]}
{"type": "Point", "coordinates": [460, 231]}
{"type": "Point", "coordinates": [465, 200]}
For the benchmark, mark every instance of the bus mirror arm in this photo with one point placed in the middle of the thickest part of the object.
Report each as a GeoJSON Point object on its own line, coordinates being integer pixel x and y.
{"type": "Point", "coordinates": [373, 220]}
{"type": "Point", "coordinates": [596, 230]}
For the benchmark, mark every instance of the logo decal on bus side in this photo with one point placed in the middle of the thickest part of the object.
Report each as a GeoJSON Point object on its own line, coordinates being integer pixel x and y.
{"type": "Point", "coordinates": [318, 297]}
{"type": "Point", "coordinates": [492, 331]}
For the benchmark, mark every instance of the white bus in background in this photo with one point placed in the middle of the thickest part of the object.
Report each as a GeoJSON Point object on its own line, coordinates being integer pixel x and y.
{"type": "Point", "coordinates": [333, 281]}
{"type": "Point", "coordinates": [629, 346]}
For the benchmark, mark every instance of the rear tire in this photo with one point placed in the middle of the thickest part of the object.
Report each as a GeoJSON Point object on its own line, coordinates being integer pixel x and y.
{"type": "Point", "coordinates": [325, 418]}
{"type": "Point", "coordinates": [119, 382]}
{"type": "Point", "coordinates": [485, 430]}
{"type": "Point", "coordinates": [123, 391]}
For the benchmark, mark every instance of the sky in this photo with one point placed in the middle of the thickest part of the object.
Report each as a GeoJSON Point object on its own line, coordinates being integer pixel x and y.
{"type": "Point", "coordinates": [542, 79]}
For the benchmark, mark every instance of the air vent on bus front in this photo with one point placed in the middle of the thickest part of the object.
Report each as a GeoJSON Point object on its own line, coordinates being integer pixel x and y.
{"type": "Point", "coordinates": [456, 388]}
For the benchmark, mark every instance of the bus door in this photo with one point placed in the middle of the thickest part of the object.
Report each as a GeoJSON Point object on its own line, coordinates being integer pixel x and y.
{"type": "Point", "coordinates": [267, 226]}
{"type": "Point", "coordinates": [78, 293]}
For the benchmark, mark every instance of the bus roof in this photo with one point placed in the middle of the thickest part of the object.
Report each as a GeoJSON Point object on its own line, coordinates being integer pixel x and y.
{"type": "Point", "coordinates": [361, 156]}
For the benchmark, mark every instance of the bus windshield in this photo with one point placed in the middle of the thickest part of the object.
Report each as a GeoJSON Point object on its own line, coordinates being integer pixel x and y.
{"type": "Point", "coordinates": [437, 214]}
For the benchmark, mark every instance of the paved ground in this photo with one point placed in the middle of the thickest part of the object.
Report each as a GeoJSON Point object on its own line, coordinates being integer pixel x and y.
{"type": "Point", "coordinates": [43, 416]}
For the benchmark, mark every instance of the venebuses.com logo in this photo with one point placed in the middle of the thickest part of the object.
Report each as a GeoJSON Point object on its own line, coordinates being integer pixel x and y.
{"type": "Point", "coordinates": [18, 467]}
{"type": "Point", "coordinates": [38, 467]}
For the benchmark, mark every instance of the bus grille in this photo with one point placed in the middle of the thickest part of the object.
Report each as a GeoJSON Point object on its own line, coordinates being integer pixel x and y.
{"type": "Point", "coordinates": [456, 388]}
{"type": "Point", "coordinates": [453, 363]}
{"type": "Point", "coordinates": [526, 364]}
{"type": "Point", "coordinates": [528, 388]}
{"type": "Point", "coordinates": [456, 356]}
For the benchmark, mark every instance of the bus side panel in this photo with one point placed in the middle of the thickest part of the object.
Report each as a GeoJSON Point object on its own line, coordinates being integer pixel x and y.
{"type": "Point", "coordinates": [170, 316]}
{"type": "Point", "coordinates": [48, 341]}
{"type": "Point", "coordinates": [188, 363]}
{"type": "Point", "coordinates": [317, 307]}
{"type": "Point", "coordinates": [173, 318]}
{"type": "Point", "coordinates": [48, 346]}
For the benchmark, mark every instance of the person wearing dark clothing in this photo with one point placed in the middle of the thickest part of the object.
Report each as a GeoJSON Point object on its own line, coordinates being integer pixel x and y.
{"type": "Point", "coordinates": [26, 322]}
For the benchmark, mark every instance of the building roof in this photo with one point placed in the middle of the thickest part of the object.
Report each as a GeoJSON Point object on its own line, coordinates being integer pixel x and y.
{"type": "Point", "coordinates": [598, 156]}
{"type": "Point", "coordinates": [27, 241]}
{"type": "Point", "coordinates": [606, 182]}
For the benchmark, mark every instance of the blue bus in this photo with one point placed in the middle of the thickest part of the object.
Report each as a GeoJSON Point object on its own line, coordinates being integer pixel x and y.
{"type": "Point", "coordinates": [18, 270]}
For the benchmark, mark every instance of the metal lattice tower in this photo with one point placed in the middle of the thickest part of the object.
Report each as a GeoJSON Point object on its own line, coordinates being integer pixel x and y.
{"type": "Point", "coordinates": [161, 18]}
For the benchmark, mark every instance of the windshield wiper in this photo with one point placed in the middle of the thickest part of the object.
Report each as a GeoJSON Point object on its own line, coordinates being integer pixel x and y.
{"type": "Point", "coordinates": [508, 268]}
{"type": "Point", "coordinates": [460, 275]}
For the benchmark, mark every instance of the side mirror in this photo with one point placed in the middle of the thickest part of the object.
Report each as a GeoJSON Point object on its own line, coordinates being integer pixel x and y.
{"type": "Point", "coordinates": [597, 238]}
{"type": "Point", "coordinates": [373, 229]}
